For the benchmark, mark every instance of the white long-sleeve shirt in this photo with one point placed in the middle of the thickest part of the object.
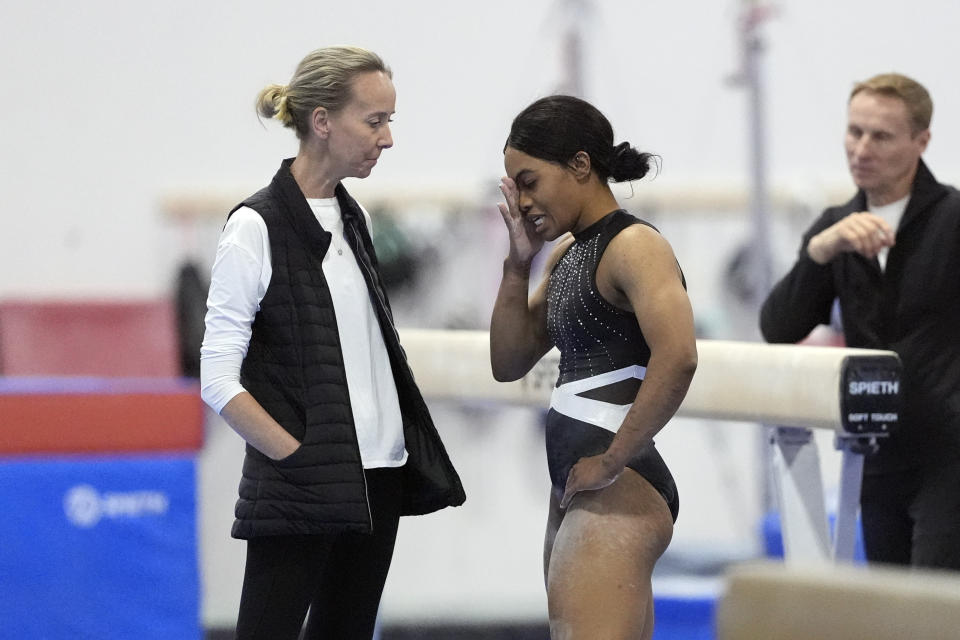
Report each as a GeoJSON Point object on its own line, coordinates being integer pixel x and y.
{"type": "Point", "coordinates": [239, 280]}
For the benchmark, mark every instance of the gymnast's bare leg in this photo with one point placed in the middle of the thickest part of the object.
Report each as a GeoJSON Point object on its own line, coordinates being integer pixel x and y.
{"type": "Point", "coordinates": [599, 557]}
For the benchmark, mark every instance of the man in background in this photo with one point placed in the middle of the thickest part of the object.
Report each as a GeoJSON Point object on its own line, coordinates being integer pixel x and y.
{"type": "Point", "coordinates": [890, 258]}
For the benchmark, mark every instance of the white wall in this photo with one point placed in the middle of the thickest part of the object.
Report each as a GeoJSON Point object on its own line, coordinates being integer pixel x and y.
{"type": "Point", "coordinates": [109, 106]}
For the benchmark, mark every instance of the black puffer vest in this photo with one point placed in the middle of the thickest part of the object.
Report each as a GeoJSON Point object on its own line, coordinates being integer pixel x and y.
{"type": "Point", "coordinates": [294, 368]}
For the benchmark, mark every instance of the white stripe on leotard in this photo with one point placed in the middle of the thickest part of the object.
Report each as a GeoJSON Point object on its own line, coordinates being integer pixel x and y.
{"type": "Point", "coordinates": [606, 415]}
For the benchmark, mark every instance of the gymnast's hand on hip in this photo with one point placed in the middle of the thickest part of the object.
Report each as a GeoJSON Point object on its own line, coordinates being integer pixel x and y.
{"type": "Point", "coordinates": [590, 474]}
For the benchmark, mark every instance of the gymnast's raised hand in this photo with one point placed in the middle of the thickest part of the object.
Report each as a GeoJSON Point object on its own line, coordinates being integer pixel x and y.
{"type": "Point", "coordinates": [524, 242]}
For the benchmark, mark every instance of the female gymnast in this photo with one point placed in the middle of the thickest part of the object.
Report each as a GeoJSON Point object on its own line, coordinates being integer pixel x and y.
{"type": "Point", "coordinates": [614, 303]}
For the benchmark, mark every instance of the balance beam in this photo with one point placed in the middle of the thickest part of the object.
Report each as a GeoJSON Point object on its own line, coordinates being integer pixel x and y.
{"type": "Point", "coordinates": [787, 385]}
{"type": "Point", "coordinates": [778, 602]}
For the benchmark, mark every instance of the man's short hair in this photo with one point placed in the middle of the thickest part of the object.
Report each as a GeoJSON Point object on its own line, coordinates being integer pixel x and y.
{"type": "Point", "coordinates": [914, 96]}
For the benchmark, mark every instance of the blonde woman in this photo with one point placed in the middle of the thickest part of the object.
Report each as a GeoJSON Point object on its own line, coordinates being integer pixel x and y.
{"type": "Point", "coordinates": [300, 357]}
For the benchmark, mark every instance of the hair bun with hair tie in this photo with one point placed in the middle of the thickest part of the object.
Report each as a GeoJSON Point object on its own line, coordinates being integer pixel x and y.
{"type": "Point", "coordinates": [282, 114]}
{"type": "Point", "coordinates": [626, 163]}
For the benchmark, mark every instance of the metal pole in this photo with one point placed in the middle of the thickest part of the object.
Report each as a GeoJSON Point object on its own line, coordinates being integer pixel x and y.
{"type": "Point", "coordinates": [754, 16]}
{"type": "Point", "coordinates": [575, 13]}
{"type": "Point", "coordinates": [759, 266]}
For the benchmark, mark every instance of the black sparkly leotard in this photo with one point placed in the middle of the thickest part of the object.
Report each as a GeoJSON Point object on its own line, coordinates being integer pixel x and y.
{"type": "Point", "coordinates": [603, 358]}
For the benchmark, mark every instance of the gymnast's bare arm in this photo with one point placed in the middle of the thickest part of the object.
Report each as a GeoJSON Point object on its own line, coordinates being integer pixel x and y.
{"type": "Point", "coordinates": [639, 272]}
{"type": "Point", "coordinates": [518, 328]}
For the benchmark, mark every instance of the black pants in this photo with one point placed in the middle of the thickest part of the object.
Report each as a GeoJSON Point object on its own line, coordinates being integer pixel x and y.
{"type": "Point", "coordinates": [339, 577]}
{"type": "Point", "coordinates": [913, 517]}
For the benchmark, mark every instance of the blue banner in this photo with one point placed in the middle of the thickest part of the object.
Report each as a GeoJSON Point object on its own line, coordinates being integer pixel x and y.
{"type": "Point", "coordinates": [99, 548]}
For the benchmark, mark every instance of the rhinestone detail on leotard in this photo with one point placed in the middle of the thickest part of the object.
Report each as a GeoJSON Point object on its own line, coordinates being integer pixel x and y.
{"type": "Point", "coordinates": [593, 336]}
